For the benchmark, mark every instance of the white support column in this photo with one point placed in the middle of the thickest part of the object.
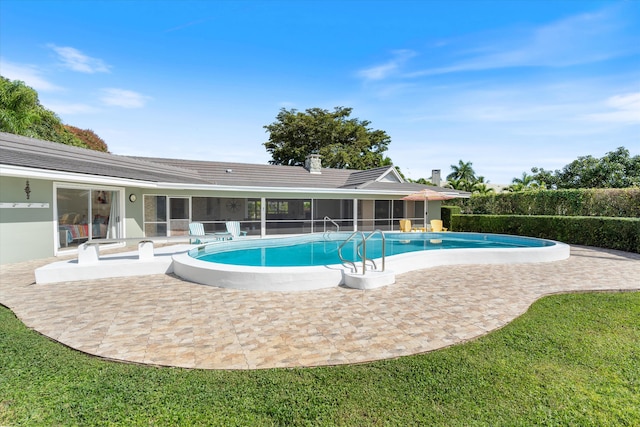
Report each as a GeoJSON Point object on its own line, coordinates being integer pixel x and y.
{"type": "Point", "coordinates": [355, 214]}
{"type": "Point", "coordinates": [263, 217]}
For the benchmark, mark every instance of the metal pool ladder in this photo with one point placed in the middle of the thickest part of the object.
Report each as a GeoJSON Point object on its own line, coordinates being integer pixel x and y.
{"type": "Point", "coordinates": [363, 254]}
{"type": "Point", "coordinates": [324, 223]}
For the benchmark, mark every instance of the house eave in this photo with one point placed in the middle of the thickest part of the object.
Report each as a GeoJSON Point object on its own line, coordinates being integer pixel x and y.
{"type": "Point", "coordinates": [282, 190]}
{"type": "Point", "coordinates": [25, 172]}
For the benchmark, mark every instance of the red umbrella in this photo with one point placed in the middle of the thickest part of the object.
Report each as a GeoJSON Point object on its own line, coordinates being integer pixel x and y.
{"type": "Point", "coordinates": [428, 194]}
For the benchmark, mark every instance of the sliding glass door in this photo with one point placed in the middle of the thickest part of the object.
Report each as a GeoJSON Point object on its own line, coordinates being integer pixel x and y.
{"type": "Point", "coordinates": [84, 213]}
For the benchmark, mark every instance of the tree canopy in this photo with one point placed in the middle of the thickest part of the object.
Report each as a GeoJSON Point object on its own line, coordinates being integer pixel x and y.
{"type": "Point", "coordinates": [463, 177]}
{"type": "Point", "coordinates": [22, 114]}
{"type": "Point", "coordinates": [526, 183]}
{"type": "Point", "coordinates": [616, 169]}
{"type": "Point", "coordinates": [463, 170]}
{"type": "Point", "coordinates": [341, 141]}
{"type": "Point", "coordinates": [89, 137]}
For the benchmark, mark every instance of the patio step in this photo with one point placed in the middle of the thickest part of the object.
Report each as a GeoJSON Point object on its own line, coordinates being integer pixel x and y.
{"type": "Point", "coordinates": [369, 280]}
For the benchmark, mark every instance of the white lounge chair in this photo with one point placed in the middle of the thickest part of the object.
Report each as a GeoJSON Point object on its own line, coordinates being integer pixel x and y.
{"type": "Point", "coordinates": [197, 229]}
{"type": "Point", "coordinates": [233, 227]}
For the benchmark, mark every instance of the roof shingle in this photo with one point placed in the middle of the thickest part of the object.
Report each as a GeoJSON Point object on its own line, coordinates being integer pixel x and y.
{"type": "Point", "coordinates": [34, 153]}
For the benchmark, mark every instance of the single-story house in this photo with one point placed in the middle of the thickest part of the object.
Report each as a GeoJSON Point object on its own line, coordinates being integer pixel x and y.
{"type": "Point", "coordinates": [53, 197]}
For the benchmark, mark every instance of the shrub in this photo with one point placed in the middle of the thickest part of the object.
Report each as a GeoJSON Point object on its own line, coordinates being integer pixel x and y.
{"type": "Point", "coordinates": [445, 214]}
{"type": "Point", "coordinates": [612, 233]}
{"type": "Point", "coordinates": [612, 202]}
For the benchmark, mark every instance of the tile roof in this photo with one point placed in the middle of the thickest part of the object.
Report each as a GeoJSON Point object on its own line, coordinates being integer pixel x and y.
{"type": "Point", "coordinates": [247, 174]}
{"type": "Point", "coordinates": [364, 178]}
{"type": "Point", "coordinates": [34, 153]}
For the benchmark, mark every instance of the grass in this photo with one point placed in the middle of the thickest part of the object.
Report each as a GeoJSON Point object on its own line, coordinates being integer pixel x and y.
{"type": "Point", "coordinates": [570, 360]}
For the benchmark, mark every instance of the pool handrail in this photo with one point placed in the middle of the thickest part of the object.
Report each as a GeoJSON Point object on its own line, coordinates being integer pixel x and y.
{"type": "Point", "coordinates": [363, 254]}
{"type": "Point", "coordinates": [364, 250]}
{"type": "Point", "coordinates": [346, 261]}
{"type": "Point", "coordinates": [324, 225]}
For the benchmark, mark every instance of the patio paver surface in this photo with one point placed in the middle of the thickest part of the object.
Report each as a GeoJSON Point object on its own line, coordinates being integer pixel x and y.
{"type": "Point", "coordinates": [163, 320]}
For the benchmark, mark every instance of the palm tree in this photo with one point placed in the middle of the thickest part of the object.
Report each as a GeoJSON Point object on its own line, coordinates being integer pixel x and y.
{"type": "Point", "coordinates": [458, 184]}
{"type": "Point", "coordinates": [527, 182]}
{"type": "Point", "coordinates": [462, 170]}
{"type": "Point", "coordinates": [482, 188]}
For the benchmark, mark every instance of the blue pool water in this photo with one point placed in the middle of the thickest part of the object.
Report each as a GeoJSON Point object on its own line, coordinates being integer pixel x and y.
{"type": "Point", "coordinates": [317, 249]}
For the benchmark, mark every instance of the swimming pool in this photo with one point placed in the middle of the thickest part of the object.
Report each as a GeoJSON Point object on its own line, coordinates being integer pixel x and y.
{"type": "Point", "coordinates": [311, 262]}
{"type": "Point", "coordinates": [312, 251]}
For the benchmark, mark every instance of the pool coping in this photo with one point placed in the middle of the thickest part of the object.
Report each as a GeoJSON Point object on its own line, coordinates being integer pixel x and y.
{"type": "Point", "coordinates": [287, 279]}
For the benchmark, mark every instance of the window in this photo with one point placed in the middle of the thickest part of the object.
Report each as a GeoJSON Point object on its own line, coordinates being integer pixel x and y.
{"type": "Point", "coordinates": [155, 216]}
{"type": "Point", "coordinates": [205, 208]}
{"type": "Point", "coordinates": [253, 209]}
{"type": "Point", "coordinates": [340, 212]}
{"type": "Point", "coordinates": [277, 207]}
{"type": "Point", "coordinates": [85, 213]}
{"type": "Point", "coordinates": [398, 209]}
{"type": "Point", "coordinates": [288, 216]}
{"type": "Point", "coordinates": [383, 214]}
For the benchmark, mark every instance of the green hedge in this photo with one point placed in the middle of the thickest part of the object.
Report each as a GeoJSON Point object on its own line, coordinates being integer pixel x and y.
{"type": "Point", "coordinates": [610, 202]}
{"type": "Point", "coordinates": [612, 233]}
{"type": "Point", "coordinates": [445, 214]}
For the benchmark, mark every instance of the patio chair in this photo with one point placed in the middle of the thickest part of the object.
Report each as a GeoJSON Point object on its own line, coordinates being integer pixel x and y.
{"type": "Point", "coordinates": [197, 229]}
{"type": "Point", "coordinates": [436, 225]}
{"type": "Point", "coordinates": [405, 225]}
{"type": "Point", "coordinates": [233, 227]}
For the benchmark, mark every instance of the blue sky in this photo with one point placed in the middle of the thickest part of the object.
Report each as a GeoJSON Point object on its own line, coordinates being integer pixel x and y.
{"type": "Point", "coordinates": [506, 85]}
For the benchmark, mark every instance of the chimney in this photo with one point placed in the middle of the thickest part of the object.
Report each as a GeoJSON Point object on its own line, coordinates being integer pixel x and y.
{"type": "Point", "coordinates": [313, 163]}
{"type": "Point", "coordinates": [435, 177]}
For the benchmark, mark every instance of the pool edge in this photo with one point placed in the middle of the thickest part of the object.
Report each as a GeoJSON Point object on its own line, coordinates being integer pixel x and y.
{"type": "Point", "coordinates": [319, 277]}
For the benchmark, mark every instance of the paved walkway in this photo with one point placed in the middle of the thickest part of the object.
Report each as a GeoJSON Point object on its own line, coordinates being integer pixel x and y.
{"type": "Point", "coordinates": [164, 320]}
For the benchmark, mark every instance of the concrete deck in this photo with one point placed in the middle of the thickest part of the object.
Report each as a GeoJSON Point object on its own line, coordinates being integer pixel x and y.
{"type": "Point", "coordinates": [163, 320]}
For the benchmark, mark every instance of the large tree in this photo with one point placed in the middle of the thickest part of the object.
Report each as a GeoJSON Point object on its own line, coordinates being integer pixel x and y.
{"type": "Point", "coordinates": [22, 114]}
{"type": "Point", "coordinates": [616, 169]}
{"type": "Point", "coordinates": [89, 137]}
{"type": "Point", "coordinates": [343, 142]}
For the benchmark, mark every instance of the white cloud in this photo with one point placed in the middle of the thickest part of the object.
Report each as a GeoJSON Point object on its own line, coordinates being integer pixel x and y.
{"type": "Point", "coordinates": [123, 98]}
{"type": "Point", "coordinates": [580, 39]}
{"type": "Point", "coordinates": [387, 69]}
{"type": "Point", "coordinates": [498, 103]}
{"type": "Point", "coordinates": [626, 109]}
{"type": "Point", "coordinates": [629, 101]}
{"type": "Point", "coordinates": [29, 74]}
{"type": "Point", "coordinates": [69, 109]}
{"type": "Point", "coordinates": [75, 60]}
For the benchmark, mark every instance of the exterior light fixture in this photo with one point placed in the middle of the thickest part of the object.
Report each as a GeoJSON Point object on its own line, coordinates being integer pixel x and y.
{"type": "Point", "coordinates": [132, 197]}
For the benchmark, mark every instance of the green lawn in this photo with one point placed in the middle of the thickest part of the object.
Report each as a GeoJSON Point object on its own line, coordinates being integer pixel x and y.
{"type": "Point", "coordinates": [570, 360]}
